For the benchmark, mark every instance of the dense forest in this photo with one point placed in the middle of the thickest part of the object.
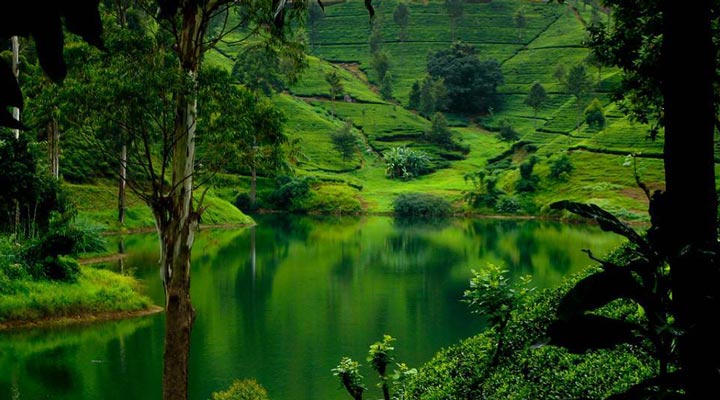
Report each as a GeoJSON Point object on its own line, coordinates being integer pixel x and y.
{"type": "Point", "coordinates": [122, 116]}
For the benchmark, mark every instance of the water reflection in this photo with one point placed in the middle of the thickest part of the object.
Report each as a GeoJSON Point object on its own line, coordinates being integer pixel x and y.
{"type": "Point", "coordinates": [284, 301]}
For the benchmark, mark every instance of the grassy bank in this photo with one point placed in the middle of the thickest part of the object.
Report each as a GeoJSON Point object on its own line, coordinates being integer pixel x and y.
{"type": "Point", "coordinates": [96, 205]}
{"type": "Point", "coordinates": [96, 293]}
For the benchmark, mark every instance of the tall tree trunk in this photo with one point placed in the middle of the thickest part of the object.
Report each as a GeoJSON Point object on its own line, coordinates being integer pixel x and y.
{"type": "Point", "coordinates": [686, 217]}
{"type": "Point", "coordinates": [175, 216]}
{"type": "Point", "coordinates": [16, 72]}
{"type": "Point", "coordinates": [16, 115]}
{"type": "Point", "coordinates": [122, 184]}
{"type": "Point", "coordinates": [55, 162]}
{"type": "Point", "coordinates": [253, 187]}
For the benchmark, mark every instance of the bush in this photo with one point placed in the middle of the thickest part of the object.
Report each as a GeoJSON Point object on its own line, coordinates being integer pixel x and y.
{"type": "Point", "coordinates": [507, 133]}
{"type": "Point", "coordinates": [421, 204]}
{"type": "Point", "coordinates": [333, 199]}
{"type": "Point", "coordinates": [291, 191]}
{"type": "Point", "coordinates": [246, 389]}
{"type": "Point", "coordinates": [507, 205]}
{"type": "Point", "coordinates": [59, 268]}
{"type": "Point", "coordinates": [595, 114]}
{"type": "Point", "coordinates": [242, 202]}
{"type": "Point", "coordinates": [524, 372]}
{"type": "Point", "coordinates": [528, 181]}
{"type": "Point", "coordinates": [560, 166]}
{"type": "Point", "coordinates": [405, 163]}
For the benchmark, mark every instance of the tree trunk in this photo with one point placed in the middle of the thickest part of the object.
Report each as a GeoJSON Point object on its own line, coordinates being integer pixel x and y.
{"type": "Point", "coordinates": [122, 184]}
{"type": "Point", "coordinates": [685, 218]}
{"type": "Point", "coordinates": [16, 72]}
{"type": "Point", "coordinates": [53, 140]}
{"type": "Point", "coordinates": [176, 219]}
{"type": "Point", "coordinates": [253, 187]}
{"type": "Point", "coordinates": [55, 164]}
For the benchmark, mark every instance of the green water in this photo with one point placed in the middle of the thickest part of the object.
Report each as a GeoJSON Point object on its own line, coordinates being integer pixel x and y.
{"type": "Point", "coordinates": [282, 303]}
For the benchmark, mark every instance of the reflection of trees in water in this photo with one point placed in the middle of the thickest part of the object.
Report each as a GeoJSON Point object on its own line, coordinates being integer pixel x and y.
{"type": "Point", "coordinates": [54, 368]}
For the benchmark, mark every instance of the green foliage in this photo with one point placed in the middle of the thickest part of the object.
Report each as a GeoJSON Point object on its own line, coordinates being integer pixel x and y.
{"type": "Point", "coordinates": [506, 204]}
{"type": "Point", "coordinates": [386, 87]}
{"type": "Point", "coordinates": [348, 371]}
{"type": "Point", "coordinates": [381, 64]}
{"type": "Point", "coordinates": [401, 16]}
{"type": "Point", "coordinates": [595, 114]}
{"type": "Point", "coordinates": [520, 21]}
{"type": "Point", "coordinates": [414, 101]}
{"type": "Point", "coordinates": [528, 181]}
{"type": "Point", "coordinates": [336, 86]}
{"type": "Point", "coordinates": [96, 291]}
{"type": "Point", "coordinates": [331, 199]}
{"type": "Point", "coordinates": [465, 371]}
{"type": "Point", "coordinates": [507, 133]}
{"type": "Point", "coordinates": [466, 77]}
{"type": "Point", "coordinates": [421, 205]}
{"type": "Point", "coordinates": [37, 195]}
{"type": "Point", "coordinates": [375, 41]}
{"type": "Point", "coordinates": [46, 256]}
{"type": "Point", "coordinates": [405, 163]}
{"type": "Point", "coordinates": [638, 275]}
{"type": "Point", "coordinates": [258, 68]}
{"type": "Point", "coordinates": [560, 166]}
{"type": "Point", "coordinates": [491, 294]}
{"type": "Point", "coordinates": [633, 42]}
{"type": "Point", "coordinates": [429, 96]}
{"type": "Point", "coordinates": [439, 132]}
{"type": "Point", "coordinates": [578, 81]}
{"type": "Point", "coordinates": [246, 389]}
{"type": "Point", "coordinates": [485, 191]}
{"type": "Point", "coordinates": [536, 99]}
{"type": "Point", "coordinates": [345, 141]}
{"type": "Point", "coordinates": [380, 356]}
{"type": "Point", "coordinates": [291, 191]}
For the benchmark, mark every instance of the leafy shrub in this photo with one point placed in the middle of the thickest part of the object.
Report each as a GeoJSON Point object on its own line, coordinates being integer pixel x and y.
{"type": "Point", "coordinates": [507, 133]}
{"type": "Point", "coordinates": [290, 191]}
{"type": "Point", "coordinates": [46, 256]}
{"type": "Point", "coordinates": [59, 268]}
{"type": "Point", "coordinates": [421, 204]}
{"type": "Point", "coordinates": [524, 372]}
{"type": "Point", "coordinates": [528, 181]}
{"type": "Point", "coordinates": [560, 166]}
{"type": "Point", "coordinates": [405, 163]}
{"type": "Point", "coordinates": [242, 202]}
{"type": "Point", "coordinates": [246, 389]}
{"type": "Point", "coordinates": [334, 199]}
{"type": "Point", "coordinates": [595, 114]}
{"type": "Point", "coordinates": [507, 204]}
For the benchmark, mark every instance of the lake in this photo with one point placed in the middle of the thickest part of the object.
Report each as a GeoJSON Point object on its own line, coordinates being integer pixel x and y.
{"type": "Point", "coordinates": [284, 301]}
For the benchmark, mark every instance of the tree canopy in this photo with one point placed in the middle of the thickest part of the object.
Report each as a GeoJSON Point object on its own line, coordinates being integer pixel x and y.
{"type": "Point", "coordinates": [471, 83]}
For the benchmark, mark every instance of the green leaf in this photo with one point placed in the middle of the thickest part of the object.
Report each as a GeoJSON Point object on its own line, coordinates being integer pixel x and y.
{"type": "Point", "coordinates": [605, 220]}
{"type": "Point", "coordinates": [589, 332]}
{"type": "Point", "coordinates": [650, 388]}
{"type": "Point", "coordinates": [598, 290]}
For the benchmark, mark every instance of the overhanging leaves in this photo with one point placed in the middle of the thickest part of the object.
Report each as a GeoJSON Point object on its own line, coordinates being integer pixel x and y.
{"type": "Point", "coordinates": [598, 290]}
{"type": "Point", "coordinates": [590, 332]}
{"type": "Point", "coordinates": [650, 388]}
{"type": "Point", "coordinates": [605, 220]}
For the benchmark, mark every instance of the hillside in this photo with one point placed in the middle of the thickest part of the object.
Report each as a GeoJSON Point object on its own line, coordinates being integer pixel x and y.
{"type": "Point", "coordinates": [553, 35]}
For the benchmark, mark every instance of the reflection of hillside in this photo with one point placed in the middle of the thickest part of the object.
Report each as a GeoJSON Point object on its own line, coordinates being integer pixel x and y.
{"type": "Point", "coordinates": [57, 362]}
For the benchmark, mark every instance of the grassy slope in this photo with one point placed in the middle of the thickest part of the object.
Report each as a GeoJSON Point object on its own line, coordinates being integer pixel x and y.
{"type": "Point", "coordinates": [96, 292]}
{"type": "Point", "coordinates": [97, 204]}
{"type": "Point", "coordinates": [553, 35]}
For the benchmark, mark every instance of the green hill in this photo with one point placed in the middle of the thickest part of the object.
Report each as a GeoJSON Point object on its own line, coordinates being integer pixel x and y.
{"type": "Point", "coordinates": [553, 35]}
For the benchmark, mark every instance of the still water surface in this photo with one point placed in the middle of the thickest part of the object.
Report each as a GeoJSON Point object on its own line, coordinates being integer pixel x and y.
{"type": "Point", "coordinates": [282, 303]}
